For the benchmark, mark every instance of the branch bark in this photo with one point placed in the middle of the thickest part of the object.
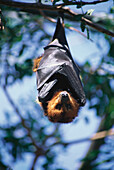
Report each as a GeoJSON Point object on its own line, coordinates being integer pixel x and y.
{"type": "Point", "coordinates": [95, 137]}
{"type": "Point", "coordinates": [95, 145]}
{"type": "Point", "coordinates": [35, 160]}
{"type": "Point", "coordinates": [70, 28]}
{"type": "Point", "coordinates": [38, 6]}
{"type": "Point", "coordinates": [39, 149]}
{"type": "Point", "coordinates": [82, 3]}
{"type": "Point", "coordinates": [46, 7]}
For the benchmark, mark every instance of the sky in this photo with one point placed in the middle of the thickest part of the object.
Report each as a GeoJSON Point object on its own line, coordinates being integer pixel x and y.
{"type": "Point", "coordinates": [69, 159]}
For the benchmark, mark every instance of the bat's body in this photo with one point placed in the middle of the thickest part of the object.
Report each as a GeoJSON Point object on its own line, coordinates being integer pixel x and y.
{"type": "Point", "coordinates": [60, 91]}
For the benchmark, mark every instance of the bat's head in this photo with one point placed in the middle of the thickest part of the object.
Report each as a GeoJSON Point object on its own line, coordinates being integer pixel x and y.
{"type": "Point", "coordinates": [62, 108]}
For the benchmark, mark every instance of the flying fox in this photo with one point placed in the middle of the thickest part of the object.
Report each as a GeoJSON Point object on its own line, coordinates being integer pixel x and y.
{"type": "Point", "coordinates": [60, 90]}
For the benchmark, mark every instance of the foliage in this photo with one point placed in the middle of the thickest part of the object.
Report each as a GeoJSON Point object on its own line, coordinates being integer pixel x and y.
{"type": "Point", "coordinates": [100, 95]}
{"type": "Point", "coordinates": [21, 40]}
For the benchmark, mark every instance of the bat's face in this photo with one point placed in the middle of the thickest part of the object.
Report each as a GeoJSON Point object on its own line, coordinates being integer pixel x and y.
{"type": "Point", "coordinates": [62, 108]}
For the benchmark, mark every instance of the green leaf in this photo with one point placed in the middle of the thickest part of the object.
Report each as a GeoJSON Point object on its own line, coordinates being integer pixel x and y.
{"type": "Point", "coordinates": [79, 6]}
{"type": "Point", "coordinates": [111, 51]}
{"type": "Point", "coordinates": [112, 10]}
{"type": "Point", "coordinates": [22, 49]}
{"type": "Point", "coordinates": [67, 25]}
{"type": "Point", "coordinates": [65, 1]}
{"type": "Point", "coordinates": [88, 33]}
{"type": "Point", "coordinates": [54, 2]}
{"type": "Point", "coordinates": [89, 12]}
{"type": "Point", "coordinates": [82, 26]}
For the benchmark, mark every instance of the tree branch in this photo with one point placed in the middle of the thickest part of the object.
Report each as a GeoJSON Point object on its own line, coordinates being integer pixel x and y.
{"type": "Point", "coordinates": [96, 136]}
{"type": "Point", "coordinates": [82, 3]}
{"type": "Point", "coordinates": [24, 5]}
{"type": "Point", "coordinates": [69, 27]}
{"type": "Point", "coordinates": [39, 149]}
{"type": "Point", "coordinates": [97, 27]}
{"type": "Point", "coordinates": [66, 10]}
{"type": "Point", "coordinates": [95, 145]}
{"type": "Point", "coordinates": [35, 160]}
{"type": "Point", "coordinates": [43, 6]}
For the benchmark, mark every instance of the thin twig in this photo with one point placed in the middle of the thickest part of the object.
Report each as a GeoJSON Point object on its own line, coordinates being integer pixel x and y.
{"type": "Point", "coordinates": [90, 23]}
{"type": "Point", "coordinates": [96, 136]}
{"type": "Point", "coordinates": [22, 119]}
{"type": "Point", "coordinates": [97, 27]}
{"type": "Point", "coordinates": [46, 17]}
{"type": "Point", "coordinates": [35, 160]}
{"type": "Point", "coordinates": [74, 29]}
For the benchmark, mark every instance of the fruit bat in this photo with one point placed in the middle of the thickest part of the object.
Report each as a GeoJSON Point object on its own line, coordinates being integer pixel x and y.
{"type": "Point", "coordinates": [60, 91]}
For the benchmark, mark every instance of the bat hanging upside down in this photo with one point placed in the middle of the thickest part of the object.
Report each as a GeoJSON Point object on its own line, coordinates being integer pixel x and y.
{"type": "Point", "coordinates": [60, 91]}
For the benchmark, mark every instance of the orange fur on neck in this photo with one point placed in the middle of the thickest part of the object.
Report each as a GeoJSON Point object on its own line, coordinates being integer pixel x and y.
{"type": "Point", "coordinates": [36, 63]}
{"type": "Point", "coordinates": [56, 115]}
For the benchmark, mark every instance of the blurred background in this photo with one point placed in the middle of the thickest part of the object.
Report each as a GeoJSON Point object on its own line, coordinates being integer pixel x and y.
{"type": "Point", "coordinates": [27, 139]}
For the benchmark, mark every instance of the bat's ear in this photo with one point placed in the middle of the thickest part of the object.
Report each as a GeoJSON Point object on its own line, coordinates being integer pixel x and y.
{"type": "Point", "coordinates": [36, 63]}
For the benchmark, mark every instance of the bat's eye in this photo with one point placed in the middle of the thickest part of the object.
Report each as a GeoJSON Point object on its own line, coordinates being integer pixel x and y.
{"type": "Point", "coordinates": [58, 106]}
{"type": "Point", "coordinates": [68, 106]}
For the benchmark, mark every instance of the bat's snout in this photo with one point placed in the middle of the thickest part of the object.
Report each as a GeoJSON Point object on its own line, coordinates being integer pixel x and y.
{"type": "Point", "coordinates": [64, 96]}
